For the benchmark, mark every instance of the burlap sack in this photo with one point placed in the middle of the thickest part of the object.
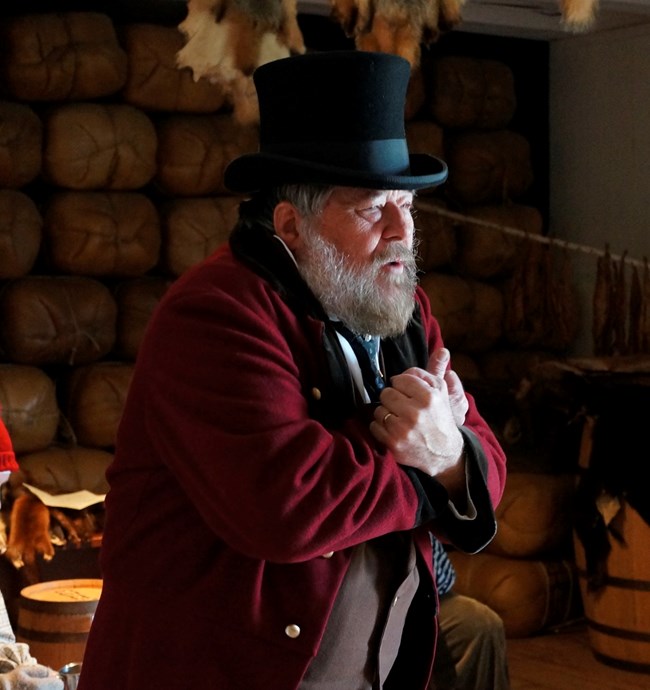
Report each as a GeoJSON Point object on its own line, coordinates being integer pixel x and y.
{"type": "Point", "coordinates": [20, 233]}
{"type": "Point", "coordinates": [193, 152]}
{"type": "Point", "coordinates": [62, 56]}
{"type": "Point", "coordinates": [29, 407]}
{"type": "Point", "coordinates": [136, 299]}
{"type": "Point", "coordinates": [102, 233]}
{"type": "Point", "coordinates": [95, 396]}
{"type": "Point", "coordinates": [488, 167]}
{"type": "Point", "coordinates": [56, 320]}
{"type": "Point", "coordinates": [99, 146]}
{"type": "Point", "coordinates": [60, 470]}
{"type": "Point", "coordinates": [484, 251]}
{"type": "Point", "coordinates": [534, 515]}
{"type": "Point", "coordinates": [529, 595]}
{"type": "Point", "coordinates": [465, 92]}
{"type": "Point", "coordinates": [436, 235]}
{"type": "Point", "coordinates": [470, 313]}
{"type": "Point", "coordinates": [21, 140]}
{"type": "Point", "coordinates": [194, 228]}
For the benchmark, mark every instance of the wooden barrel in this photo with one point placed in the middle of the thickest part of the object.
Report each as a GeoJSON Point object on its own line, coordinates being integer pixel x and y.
{"type": "Point", "coordinates": [54, 619]}
{"type": "Point", "coordinates": [618, 612]}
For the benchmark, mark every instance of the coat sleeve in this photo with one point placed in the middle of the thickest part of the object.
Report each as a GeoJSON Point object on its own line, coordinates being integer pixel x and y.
{"type": "Point", "coordinates": [486, 473]}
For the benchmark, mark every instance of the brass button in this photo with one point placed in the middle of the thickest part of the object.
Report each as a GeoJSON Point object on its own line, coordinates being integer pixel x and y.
{"type": "Point", "coordinates": [316, 394]}
{"type": "Point", "coordinates": [292, 631]}
{"type": "Point", "coordinates": [329, 554]}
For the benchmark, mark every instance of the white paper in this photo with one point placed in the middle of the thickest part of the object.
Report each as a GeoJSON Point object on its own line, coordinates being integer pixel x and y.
{"type": "Point", "coordinates": [77, 500]}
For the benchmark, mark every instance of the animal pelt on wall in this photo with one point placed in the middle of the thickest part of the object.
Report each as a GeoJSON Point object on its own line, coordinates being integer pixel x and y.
{"type": "Point", "coordinates": [227, 39]}
{"type": "Point", "coordinates": [396, 26]}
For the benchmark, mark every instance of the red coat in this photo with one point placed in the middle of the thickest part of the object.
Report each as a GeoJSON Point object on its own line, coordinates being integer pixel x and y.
{"type": "Point", "coordinates": [232, 510]}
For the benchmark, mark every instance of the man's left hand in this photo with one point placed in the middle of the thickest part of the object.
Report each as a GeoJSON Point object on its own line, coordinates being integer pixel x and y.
{"type": "Point", "coordinates": [419, 415]}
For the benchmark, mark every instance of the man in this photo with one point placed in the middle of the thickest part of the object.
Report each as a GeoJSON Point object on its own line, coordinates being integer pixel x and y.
{"type": "Point", "coordinates": [269, 518]}
{"type": "Point", "coordinates": [471, 649]}
{"type": "Point", "coordinates": [19, 670]}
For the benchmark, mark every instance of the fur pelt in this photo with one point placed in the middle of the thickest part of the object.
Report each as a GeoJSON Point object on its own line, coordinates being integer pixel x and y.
{"type": "Point", "coordinates": [225, 40]}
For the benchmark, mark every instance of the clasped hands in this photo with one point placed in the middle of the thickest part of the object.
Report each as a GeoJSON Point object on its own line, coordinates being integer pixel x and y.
{"type": "Point", "coordinates": [419, 415]}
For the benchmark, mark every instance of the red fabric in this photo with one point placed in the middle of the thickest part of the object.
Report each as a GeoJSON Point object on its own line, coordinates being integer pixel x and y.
{"type": "Point", "coordinates": [226, 493]}
{"type": "Point", "coordinates": [7, 457]}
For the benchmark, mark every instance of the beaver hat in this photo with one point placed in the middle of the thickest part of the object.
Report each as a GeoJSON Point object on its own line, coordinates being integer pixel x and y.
{"type": "Point", "coordinates": [334, 118]}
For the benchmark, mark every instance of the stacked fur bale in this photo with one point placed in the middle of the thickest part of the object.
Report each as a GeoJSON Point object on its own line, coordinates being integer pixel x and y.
{"type": "Point", "coordinates": [111, 166]}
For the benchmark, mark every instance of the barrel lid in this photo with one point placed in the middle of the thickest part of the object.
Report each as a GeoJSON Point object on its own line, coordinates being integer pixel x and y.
{"type": "Point", "coordinates": [72, 591]}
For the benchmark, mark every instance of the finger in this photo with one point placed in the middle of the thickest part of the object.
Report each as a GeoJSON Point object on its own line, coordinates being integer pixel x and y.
{"type": "Point", "coordinates": [414, 383]}
{"type": "Point", "coordinates": [382, 414]}
{"type": "Point", "coordinates": [438, 361]}
{"type": "Point", "coordinates": [457, 397]}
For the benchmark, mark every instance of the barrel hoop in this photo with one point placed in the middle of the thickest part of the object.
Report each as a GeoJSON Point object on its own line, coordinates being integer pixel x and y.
{"type": "Point", "coordinates": [68, 608]}
{"type": "Point", "coordinates": [54, 637]}
{"type": "Point", "coordinates": [636, 635]}
{"type": "Point", "coordinates": [621, 664]}
{"type": "Point", "coordinates": [622, 582]}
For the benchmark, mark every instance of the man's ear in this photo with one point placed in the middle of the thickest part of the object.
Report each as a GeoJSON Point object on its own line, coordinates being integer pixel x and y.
{"type": "Point", "coordinates": [285, 222]}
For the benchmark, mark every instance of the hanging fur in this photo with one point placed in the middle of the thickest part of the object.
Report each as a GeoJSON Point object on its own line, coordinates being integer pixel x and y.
{"type": "Point", "coordinates": [578, 15]}
{"type": "Point", "coordinates": [399, 27]}
{"type": "Point", "coordinates": [226, 40]}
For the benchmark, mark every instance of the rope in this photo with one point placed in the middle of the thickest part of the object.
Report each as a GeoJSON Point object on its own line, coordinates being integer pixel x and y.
{"type": "Point", "coordinates": [573, 246]}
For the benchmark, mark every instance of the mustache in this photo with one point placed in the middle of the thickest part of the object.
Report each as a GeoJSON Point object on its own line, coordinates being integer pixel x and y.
{"type": "Point", "coordinates": [395, 253]}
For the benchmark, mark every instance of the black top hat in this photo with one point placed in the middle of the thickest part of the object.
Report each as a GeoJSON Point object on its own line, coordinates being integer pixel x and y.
{"type": "Point", "coordinates": [334, 118]}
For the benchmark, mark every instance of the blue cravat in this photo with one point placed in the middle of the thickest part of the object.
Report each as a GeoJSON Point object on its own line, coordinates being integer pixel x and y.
{"type": "Point", "coordinates": [366, 349]}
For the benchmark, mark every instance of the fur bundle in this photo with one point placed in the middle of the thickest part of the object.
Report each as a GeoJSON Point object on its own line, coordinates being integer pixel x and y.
{"type": "Point", "coordinates": [227, 39]}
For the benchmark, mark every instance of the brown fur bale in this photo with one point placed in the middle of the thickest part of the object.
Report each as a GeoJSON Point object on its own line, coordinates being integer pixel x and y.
{"type": "Point", "coordinates": [534, 515]}
{"type": "Point", "coordinates": [470, 313]}
{"type": "Point", "coordinates": [528, 595]}
{"type": "Point", "coordinates": [62, 56]}
{"type": "Point", "coordinates": [95, 396]}
{"type": "Point", "coordinates": [29, 407]}
{"type": "Point", "coordinates": [466, 92]}
{"type": "Point", "coordinates": [194, 228]}
{"type": "Point", "coordinates": [99, 146]}
{"type": "Point", "coordinates": [102, 233]}
{"type": "Point", "coordinates": [194, 151]}
{"type": "Point", "coordinates": [486, 252]}
{"type": "Point", "coordinates": [56, 320]}
{"type": "Point", "coordinates": [436, 234]}
{"type": "Point", "coordinates": [487, 167]}
{"type": "Point", "coordinates": [136, 299]}
{"type": "Point", "coordinates": [21, 139]}
{"type": "Point", "coordinates": [20, 233]}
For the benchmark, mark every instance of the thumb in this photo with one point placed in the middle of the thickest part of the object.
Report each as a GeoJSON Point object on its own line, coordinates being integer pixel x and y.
{"type": "Point", "coordinates": [438, 362]}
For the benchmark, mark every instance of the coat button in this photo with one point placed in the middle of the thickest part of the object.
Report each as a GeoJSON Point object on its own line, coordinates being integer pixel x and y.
{"type": "Point", "coordinates": [316, 394]}
{"type": "Point", "coordinates": [292, 631]}
{"type": "Point", "coordinates": [329, 554]}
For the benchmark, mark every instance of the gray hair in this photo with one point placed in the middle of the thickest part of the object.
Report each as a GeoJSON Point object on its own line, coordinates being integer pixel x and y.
{"type": "Point", "coordinates": [309, 199]}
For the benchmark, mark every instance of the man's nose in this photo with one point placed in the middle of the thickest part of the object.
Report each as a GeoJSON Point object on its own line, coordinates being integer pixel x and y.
{"type": "Point", "coordinates": [398, 223]}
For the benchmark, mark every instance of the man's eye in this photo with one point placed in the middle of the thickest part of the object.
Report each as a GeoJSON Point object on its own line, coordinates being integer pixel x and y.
{"type": "Point", "coordinates": [372, 211]}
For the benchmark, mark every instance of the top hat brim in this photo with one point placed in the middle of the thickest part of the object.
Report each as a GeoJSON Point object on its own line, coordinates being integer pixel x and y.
{"type": "Point", "coordinates": [255, 171]}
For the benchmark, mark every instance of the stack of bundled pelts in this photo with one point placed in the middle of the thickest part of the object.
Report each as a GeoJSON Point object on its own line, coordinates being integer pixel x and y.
{"type": "Point", "coordinates": [111, 167]}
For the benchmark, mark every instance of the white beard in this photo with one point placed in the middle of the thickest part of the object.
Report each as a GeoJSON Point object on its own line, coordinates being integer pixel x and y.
{"type": "Point", "coordinates": [366, 299]}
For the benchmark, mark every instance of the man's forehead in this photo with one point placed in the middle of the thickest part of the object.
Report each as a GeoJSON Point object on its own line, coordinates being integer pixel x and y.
{"type": "Point", "coordinates": [353, 195]}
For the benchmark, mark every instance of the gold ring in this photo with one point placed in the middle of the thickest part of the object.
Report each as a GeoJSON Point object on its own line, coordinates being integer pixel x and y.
{"type": "Point", "coordinates": [386, 416]}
